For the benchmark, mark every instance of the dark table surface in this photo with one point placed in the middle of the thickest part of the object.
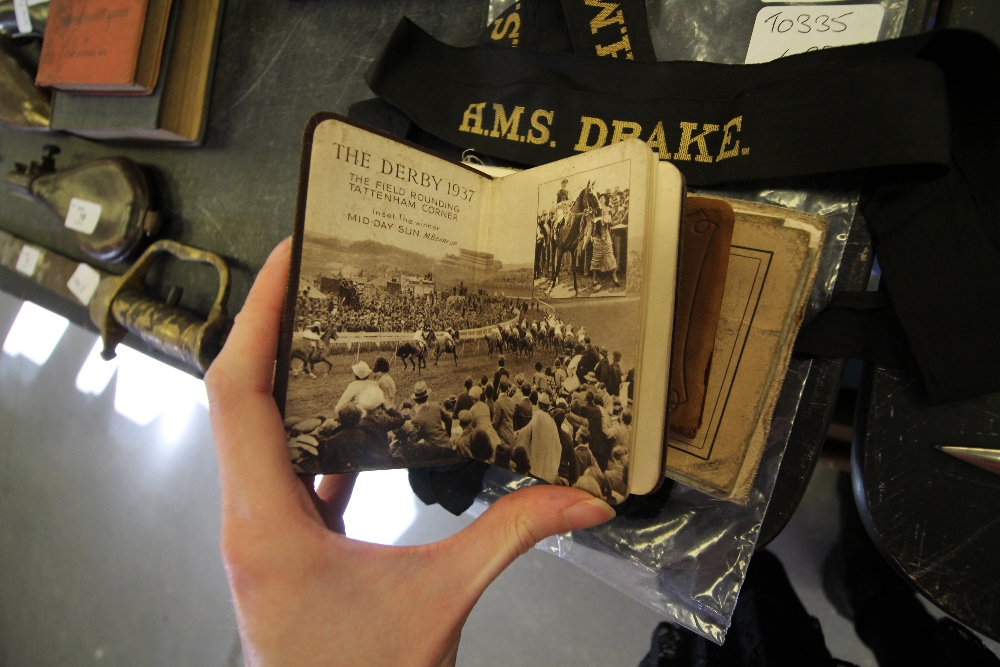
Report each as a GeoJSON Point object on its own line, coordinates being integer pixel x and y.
{"type": "Point", "coordinates": [278, 63]}
{"type": "Point", "coordinates": [936, 519]}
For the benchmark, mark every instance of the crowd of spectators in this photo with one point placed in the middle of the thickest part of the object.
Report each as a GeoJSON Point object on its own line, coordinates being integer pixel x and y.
{"type": "Point", "coordinates": [568, 423]}
{"type": "Point", "coordinates": [381, 309]}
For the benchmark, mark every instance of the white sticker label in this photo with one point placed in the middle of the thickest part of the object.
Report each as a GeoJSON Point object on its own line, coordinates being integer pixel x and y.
{"type": "Point", "coordinates": [22, 16]}
{"type": "Point", "coordinates": [785, 31]}
{"type": "Point", "coordinates": [83, 283]}
{"type": "Point", "coordinates": [83, 215]}
{"type": "Point", "coordinates": [28, 260]}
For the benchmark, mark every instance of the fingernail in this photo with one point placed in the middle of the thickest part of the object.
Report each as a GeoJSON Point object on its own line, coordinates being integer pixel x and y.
{"type": "Point", "coordinates": [588, 513]}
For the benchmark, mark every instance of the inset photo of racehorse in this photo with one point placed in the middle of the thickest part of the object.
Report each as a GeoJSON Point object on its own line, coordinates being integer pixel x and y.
{"type": "Point", "coordinates": [581, 238]}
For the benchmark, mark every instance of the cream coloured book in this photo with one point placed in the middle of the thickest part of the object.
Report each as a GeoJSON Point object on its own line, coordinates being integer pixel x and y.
{"type": "Point", "coordinates": [435, 312]}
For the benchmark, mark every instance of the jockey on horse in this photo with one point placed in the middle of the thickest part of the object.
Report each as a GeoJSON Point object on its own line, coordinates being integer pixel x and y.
{"type": "Point", "coordinates": [313, 334]}
{"type": "Point", "coordinates": [420, 337]}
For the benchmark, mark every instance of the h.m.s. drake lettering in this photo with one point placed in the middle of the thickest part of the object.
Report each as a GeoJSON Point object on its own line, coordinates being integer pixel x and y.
{"type": "Point", "coordinates": [686, 140]}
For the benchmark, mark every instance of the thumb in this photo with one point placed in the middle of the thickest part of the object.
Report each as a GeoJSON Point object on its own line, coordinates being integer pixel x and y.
{"type": "Point", "coordinates": [514, 524]}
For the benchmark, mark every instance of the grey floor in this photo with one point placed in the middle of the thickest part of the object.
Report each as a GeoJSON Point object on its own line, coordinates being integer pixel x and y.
{"type": "Point", "coordinates": [109, 521]}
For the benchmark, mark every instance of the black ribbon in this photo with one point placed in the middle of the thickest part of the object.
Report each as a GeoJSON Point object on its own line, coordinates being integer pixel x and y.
{"type": "Point", "coordinates": [862, 107]}
{"type": "Point", "coordinates": [918, 115]}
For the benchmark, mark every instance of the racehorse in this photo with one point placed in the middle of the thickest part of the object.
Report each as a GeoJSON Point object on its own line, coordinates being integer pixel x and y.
{"type": "Point", "coordinates": [310, 351]}
{"type": "Point", "coordinates": [569, 229]}
{"type": "Point", "coordinates": [412, 352]}
{"type": "Point", "coordinates": [416, 351]}
{"type": "Point", "coordinates": [494, 343]}
{"type": "Point", "coordinates": [447, 346]}
{"type": "Point", "coordinates": [526, 346]}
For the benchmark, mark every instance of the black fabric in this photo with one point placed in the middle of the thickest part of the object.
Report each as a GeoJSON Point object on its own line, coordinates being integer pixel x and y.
{"type": "Point", "coordinates": [938, 243]}
{"type": "Point", "coordinates": [538, 25]}
{"type": "Point", "coordinates": [454, 487]}
{"type": "Point", "coordinates": [860, 325]}
{"type": "Point", "coordinates": [646, 506]}
{"type": "Point", "coordinates": [589, 27]}
{"type": "Point", "coordinates": [617, 29]}
{"type": "Point", "coordinates": [915, 113]}
{"type": "Point", "coordinates": [791, 117]}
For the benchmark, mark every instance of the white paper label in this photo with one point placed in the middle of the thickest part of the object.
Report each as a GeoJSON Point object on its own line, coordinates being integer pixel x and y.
{"type": "Point", "coordinates": [83, 215]}
{"type": "Point", "coordinates": [22, 16]}
{"type": "Point", "coordinates": [83, 283]}
{"type": "Point", "coordinates": [785, 31]}
{"type": "Point", "coordinates": [28, 260]}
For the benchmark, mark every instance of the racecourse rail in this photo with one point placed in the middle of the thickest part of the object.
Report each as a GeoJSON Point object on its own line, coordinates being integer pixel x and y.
{"type": "Point", "coordinates": [350, 338]}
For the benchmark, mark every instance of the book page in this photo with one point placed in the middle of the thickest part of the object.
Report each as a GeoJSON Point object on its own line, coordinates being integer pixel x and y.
{"type": "Point", "coordinates": [389, 243]}
{"type": "Point", "coordinates": [650, 399]}
{"type": "Point", "coordinates": [571, 236]}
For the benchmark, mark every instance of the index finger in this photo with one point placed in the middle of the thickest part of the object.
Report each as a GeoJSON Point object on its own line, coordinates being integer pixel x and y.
{"type": "Point", "coordinates": [250, 440]}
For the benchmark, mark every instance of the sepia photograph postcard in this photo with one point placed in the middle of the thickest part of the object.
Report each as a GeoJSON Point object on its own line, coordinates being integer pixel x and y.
{"type": "Point", "coordinates": [435, 314]}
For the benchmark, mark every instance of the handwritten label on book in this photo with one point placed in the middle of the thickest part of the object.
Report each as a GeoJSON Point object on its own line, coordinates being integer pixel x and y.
{"type": "Point", "coordinates": [786, 31]}
{"type": "Point", "coordinates": [83, 215]}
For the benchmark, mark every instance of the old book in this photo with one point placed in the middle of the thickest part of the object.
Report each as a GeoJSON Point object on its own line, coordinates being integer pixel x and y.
{"type": "Point", "coordinates": [706, 237]}
{"type": "Point", "coordinates": [103, 46]}
{"type": "Point", "coordinates": [420, 287]}
{"type": "Point", "coordinates": [527, 318]}
{"type": "Point", "coordinates": [177, 109]}
{"type": "Point", "coordinates": [772, 264]}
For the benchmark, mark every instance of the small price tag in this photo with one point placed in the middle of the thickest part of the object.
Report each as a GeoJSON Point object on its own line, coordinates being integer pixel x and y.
{"type": "Point", "coordinates": [27, 260]}
{"type": "Point", "coordinates": [83, 283]}
{"type": "Point", "coordinates": [22, 16]}
{"type": "Point", "coordinates": [785, 31]}
{"type": "Point", "coordinates": [82, 215]}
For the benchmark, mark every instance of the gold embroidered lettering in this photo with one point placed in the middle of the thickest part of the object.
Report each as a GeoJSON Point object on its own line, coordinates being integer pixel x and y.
{"type": "Point", "coordinates": [727, 137]}
{"type": "Point", "coordinates": [502, 124]}
{"type": "Point", "coordinates": [686, 141]}
{"type": "Point", "coordinates": [472, 119]}
{"type": "Point", "coordinates": [588, 123]}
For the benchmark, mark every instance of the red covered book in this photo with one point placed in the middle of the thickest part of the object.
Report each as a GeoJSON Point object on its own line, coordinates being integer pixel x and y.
{"type": "Point", "coordinates": [103, 46]}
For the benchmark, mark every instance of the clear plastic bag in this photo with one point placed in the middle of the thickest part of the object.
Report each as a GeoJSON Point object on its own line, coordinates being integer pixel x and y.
{"type": "Point", "coordinates": [719, 31]}
{"type": "Point", "coordinates": [688, 563]}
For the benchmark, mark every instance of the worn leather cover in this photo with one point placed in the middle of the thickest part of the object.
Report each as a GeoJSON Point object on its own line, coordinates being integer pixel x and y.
{"type": "Point", "coordinates": [706, 235]}
{"type": "Point", "coordinates": [773, 260]}
{"type": "Point", "coordinates": [121, 189]}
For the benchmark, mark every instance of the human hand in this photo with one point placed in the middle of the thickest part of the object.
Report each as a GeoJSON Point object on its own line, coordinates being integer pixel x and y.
{"type": "Point", "coordinates": [304, 593]}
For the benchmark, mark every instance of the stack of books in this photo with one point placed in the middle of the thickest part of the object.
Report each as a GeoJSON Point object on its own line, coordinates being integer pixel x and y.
{"type": "Point", "coordinates": [130, 70]}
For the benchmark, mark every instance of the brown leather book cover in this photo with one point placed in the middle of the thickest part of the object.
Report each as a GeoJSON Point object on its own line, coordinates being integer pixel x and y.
{"type": "Point", "coordinates": [706, 235]}
{"type": "Point", "coordinates": [103, 46]}
{"type": "Point", "coordinates": [773, 262]}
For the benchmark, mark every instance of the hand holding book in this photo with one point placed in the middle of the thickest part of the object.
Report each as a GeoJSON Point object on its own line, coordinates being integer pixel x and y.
{"type": "Point", "coordinates": [300, 587]}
